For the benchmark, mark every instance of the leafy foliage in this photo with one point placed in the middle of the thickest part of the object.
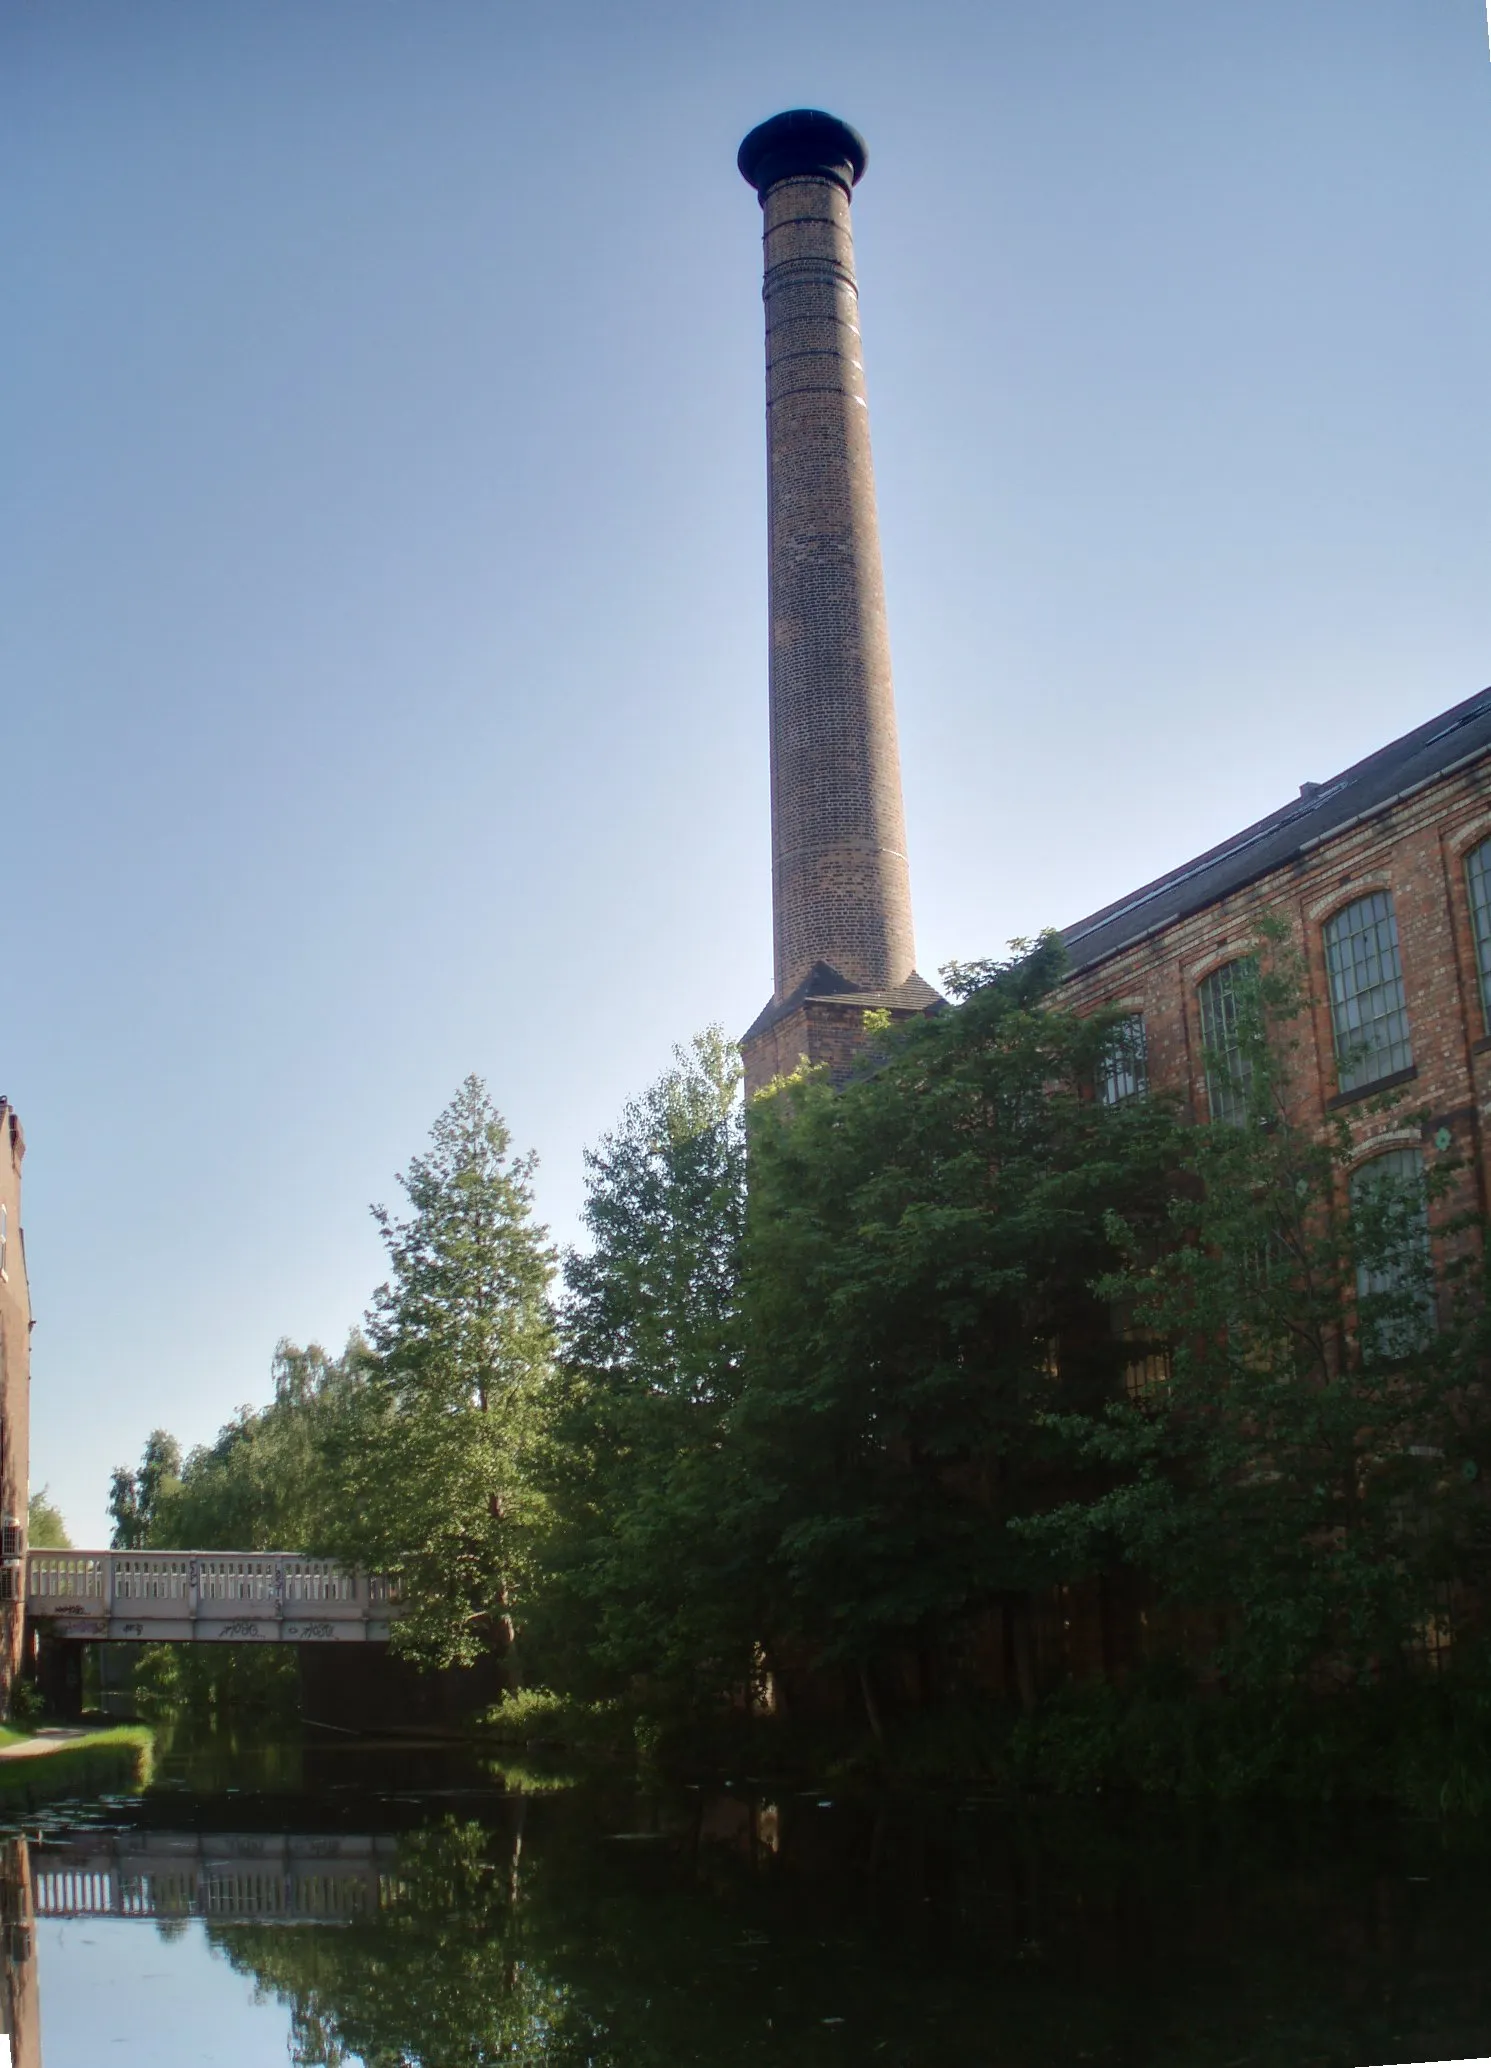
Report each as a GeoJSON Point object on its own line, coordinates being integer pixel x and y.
{"type": "Point", "coordinates": [135, 1498]}
{"type": "Point", "coordinates": [435, 1460]}
{"type": "Point", "coordinates": [270, 1479]}
{"type": "Point", "coordinates": [1311, 1468]}
{"type": "Point", "coordinates": [411, 1453]}
{"type": "Point", "coordinates": [45, 1528]}
{"type": "Point", "coordinates": [983, 1324]}
{"type": "Point", "coordinates": [652, 1344]}
{"type": "Point", "coordinates": [917, 1244]}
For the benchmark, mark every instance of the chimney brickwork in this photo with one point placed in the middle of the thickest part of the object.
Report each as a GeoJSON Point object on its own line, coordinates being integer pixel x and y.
{"type": "Point", "coordinates": [841, 889]}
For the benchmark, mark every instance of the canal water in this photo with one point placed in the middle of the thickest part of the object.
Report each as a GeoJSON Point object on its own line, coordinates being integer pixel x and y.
{"type": "Point", "coordinates": [345, 1905]}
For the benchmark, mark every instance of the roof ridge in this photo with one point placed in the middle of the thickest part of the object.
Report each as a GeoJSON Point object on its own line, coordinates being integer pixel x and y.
{"type": "Point", "coordinates": [1326, 798]}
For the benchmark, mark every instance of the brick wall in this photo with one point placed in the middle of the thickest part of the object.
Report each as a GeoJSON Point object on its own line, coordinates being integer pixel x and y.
{"type": "Point", "coordinates": [1416, 851]}
{"type": "Point", "coordinates": [820, 1031]}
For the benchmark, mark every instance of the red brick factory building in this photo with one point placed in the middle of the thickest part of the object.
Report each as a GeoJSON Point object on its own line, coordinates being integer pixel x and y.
{"type": "Point", "coordinates": [1383, 878]}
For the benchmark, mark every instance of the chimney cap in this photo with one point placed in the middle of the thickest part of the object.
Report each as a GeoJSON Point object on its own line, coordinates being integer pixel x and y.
{"type": "Point", "coordinates": [802, 142]}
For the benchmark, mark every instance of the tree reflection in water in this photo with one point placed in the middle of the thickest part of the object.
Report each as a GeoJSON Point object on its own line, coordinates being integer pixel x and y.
{"type": "Point", "coordinates": [731, 1932]}
{"type": "Point", "coordinates": [573, 1929]}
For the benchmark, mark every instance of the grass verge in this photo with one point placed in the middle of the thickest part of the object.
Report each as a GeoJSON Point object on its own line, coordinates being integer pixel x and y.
{"type": "Point", "coordinates": [104, 1761]}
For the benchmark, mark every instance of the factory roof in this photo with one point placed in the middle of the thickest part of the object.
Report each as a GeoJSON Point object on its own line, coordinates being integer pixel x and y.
{"type": "Point", "coordinates": [1457, 736]}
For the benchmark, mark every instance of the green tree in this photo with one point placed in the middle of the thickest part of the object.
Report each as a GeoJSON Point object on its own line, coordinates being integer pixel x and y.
{"type": "Point", "coordinates": [45, 1528]}
{"type": "Point", "coordinates": [1311, 1467]}
{"type": "Point", "coordinates": [136, 1497]}
{"type": "Point", "coordinates": [652, 1346]}
{"type": "Point", "coordinates": [271, 1479]}
{"type": "Point", "coordinates": [920, 1255]}
{"type": "Point", "coordinates": [267, 1483]}
{"type": "Point", "coordinates": [436, 1459]}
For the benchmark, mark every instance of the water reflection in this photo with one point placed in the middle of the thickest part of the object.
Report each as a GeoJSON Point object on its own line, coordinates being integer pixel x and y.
{"type": "Point", "coordinates": [403, 1930]}
{"type": "Point", "coordinates": [243, 1877]}
{"type": "Point", "coordinates": [21, 1995]}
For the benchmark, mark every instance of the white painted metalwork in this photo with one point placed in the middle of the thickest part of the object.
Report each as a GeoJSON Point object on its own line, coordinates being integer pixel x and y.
{"type": "Point", "coordinates": [227, 1878]}
{"type": "Point", "coordinates": [243, 1597]}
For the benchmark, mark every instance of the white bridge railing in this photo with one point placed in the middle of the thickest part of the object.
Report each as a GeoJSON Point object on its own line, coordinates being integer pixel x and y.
{"type": "Point", "coordinates": [246, 1597]}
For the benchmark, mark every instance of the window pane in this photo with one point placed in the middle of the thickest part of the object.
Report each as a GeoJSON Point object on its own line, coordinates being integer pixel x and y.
{"type": "Point", "coordinates": [1146, 1375]}
{"type": "Point", "coordinates": [1366, 987]}
{"type": "Point", "coordinates": [1390, 1213]}
{"type": "Point", "coordinates": [1148, 1367]}
{"type": "Point", "coordinates": [1124, 1070]}
{"type": "Point", "coordinates": [1478, 877]}
{"type": "Point", "coordinates": [1229, 1074]}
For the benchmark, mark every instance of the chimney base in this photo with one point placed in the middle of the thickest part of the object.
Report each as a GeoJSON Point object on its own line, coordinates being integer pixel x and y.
{"type": "Point", "coordinates": [823, 1025]}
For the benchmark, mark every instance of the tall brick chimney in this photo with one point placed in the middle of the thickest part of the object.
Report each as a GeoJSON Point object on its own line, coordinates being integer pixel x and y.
{"type": "Point", "coordinates": [841, 891]}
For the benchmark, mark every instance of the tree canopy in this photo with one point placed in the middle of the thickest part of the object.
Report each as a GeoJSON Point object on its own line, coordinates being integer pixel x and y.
{"type": "Point", "coordinates": [45, 1529]}
{"type": "Point", "coordinates": [1308, 1461]}
{"type": "Point", "coordinates": [986, 1321]}
{"type": "Point", "coordinates": [920, 1243]}
{"type": "Point", "coordinates": [641, 1579]}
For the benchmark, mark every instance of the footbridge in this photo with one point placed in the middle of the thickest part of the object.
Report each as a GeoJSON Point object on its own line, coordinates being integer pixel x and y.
{"type": "Point", "coordinates": [206, 1597]}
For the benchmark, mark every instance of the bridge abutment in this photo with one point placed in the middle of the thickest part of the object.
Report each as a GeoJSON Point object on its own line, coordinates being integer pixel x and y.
{"type": "Point", "coordinates": [58, 1671]}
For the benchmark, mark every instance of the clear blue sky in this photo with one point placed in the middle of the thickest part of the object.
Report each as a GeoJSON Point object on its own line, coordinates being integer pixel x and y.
{"type": "Point", "coordinates": [382, 630]}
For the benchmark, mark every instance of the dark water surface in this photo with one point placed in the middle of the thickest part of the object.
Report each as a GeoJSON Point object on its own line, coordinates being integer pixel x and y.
{"type": "Point", "coordinates": [408, 1907]}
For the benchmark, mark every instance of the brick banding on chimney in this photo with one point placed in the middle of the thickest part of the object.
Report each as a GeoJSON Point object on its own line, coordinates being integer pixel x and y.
{"type": "Point", "coordinates": [841, 890]}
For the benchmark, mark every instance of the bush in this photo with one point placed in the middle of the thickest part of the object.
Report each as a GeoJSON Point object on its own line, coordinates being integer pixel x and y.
{"type": "Point", "coordinates": [539, 1719]}
{"type": "Point", "coordinates": [1423, 1745]}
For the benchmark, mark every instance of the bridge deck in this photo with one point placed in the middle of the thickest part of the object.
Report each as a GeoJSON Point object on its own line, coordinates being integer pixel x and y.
{"type": "Point", "coordinates": [196, 1597]}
